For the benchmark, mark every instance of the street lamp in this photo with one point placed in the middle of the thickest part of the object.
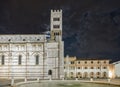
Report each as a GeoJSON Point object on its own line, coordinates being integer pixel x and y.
{"type": "Point", "coordinates": [110, 76]}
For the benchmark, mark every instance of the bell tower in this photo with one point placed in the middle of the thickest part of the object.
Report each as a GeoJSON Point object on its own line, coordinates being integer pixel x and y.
{"type": "Point", "coordinates": [56, 25]}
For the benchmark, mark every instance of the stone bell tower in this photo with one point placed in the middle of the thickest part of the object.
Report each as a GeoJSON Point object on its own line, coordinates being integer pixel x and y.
{"type": "Point", "coordinates": [56, 25]}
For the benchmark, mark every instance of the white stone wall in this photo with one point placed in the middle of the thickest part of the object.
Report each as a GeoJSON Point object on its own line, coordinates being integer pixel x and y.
{"type": "Point", "coordinates": [22, 38]}
{"type": "Point", "coordinates": [117, 68]}
{"type": "Point", "coordinates": [49, 59]}
{"type": "Point", "coordinates": [28, 52]}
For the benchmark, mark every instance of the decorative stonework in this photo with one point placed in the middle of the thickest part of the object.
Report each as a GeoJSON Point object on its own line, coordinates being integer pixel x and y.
{"type": "Point", "coordinates": [22, 38]}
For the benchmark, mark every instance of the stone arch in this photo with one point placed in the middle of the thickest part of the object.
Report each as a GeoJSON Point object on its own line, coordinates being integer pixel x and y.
{"type": "Point", "coordinates": [91, 74]}
{"type": "Point", "coordinates": [104, 74]}
{"type": "Point", "coordinates": [4, 53]}
{"type": "Point", "coordinates": [21, 53]}
{"type": "Point", "coordinates": [49, 72]}
{"type": "Point", "coordinates": [36, 53]}
{"type": "Point", "coordinates": [85, 74]}
{"type": "Point", "coordinates": [98, 74]}
{"type": "Point", "coordinates": [79, 74]}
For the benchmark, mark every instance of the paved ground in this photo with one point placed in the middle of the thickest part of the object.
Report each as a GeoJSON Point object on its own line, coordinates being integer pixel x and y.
{"type": "Point", "coordinates": [112, 81]}
{"type": "Point", "coordinates": [6, 83]}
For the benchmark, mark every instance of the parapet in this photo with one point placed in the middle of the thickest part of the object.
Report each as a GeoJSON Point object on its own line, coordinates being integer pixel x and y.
{"type": "Point", "coordinates": [60, 10]}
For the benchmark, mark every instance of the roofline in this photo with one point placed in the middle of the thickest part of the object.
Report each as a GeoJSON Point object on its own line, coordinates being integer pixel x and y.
{"type": "Point", "coordinates": [116, 62]}
{"type": "Point", "coordinates": [22, 34]}
{"type": "Point", "coordinates": [91, 59]}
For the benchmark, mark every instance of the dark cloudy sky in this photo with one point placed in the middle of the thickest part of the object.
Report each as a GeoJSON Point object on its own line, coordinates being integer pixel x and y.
{"type": "Point", "coordinates": [91, 28]}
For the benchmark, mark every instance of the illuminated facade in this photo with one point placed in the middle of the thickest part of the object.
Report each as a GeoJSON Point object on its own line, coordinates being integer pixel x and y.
{"type": "Point", "coordinates": [117, 69]}
{"type": "Point", "coordinates": [87, 68]}
{"type": "Point", "coordinates": [34, 56]}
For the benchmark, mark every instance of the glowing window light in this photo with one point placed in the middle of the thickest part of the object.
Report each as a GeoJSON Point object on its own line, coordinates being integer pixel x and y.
{"type": "Point", "coordinates": [110, 74]}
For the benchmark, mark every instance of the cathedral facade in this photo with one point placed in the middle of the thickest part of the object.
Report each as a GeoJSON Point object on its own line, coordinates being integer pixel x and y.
{"type": "Point", "coordinates": [34, 55]}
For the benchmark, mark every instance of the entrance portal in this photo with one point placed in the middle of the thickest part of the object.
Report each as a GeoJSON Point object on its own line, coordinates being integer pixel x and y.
{"type": "Point", "coordinates": [49, 72]}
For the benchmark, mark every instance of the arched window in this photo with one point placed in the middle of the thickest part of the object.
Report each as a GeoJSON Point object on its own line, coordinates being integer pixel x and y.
{"type": "Point", "coordinates": [92, 67]}
{"type": "Point", "coordinates": [49, 72]}
{"type": "Point", "coordinates": [85, 74]}
{"type": "Point", "coordinates": [3, 60]}
{"type": "Point", "coordinates": [98, 73]}
{"type": "Point", "coordinates": [19, 60]}
{"type": "Point", "coordinates": [71, 73]}
{"type": "Point", "coordinates": [79, 73]}
{"type": "Point", "coordinates": [37, 60]}
{"type": "Point", "coordinates": [91, 62]}
{"type": "Point", "coordinates": [92, 73]}
{"type": "Point", "coordinates": [104, 74]}
{"type": "Point", "coordinates": [86, 67]}
{"type": "Point", "coordinates": [85, 62]}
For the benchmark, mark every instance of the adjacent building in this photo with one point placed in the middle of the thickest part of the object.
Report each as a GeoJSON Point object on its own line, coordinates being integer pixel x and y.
{"type": "Point", "coordinates": [87, 68]}
{"type": "Point", "coordinates": [34, 55]}
{"type": "Point", "coordinates": [117, 69]}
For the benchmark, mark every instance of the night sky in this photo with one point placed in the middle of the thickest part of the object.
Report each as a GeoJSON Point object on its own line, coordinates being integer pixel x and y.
{"type": "Point", "coordinates": [91, 28]}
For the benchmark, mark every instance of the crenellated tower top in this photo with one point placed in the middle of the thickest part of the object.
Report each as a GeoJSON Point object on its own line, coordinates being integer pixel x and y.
{"type": "Point", "coordinates": [56, 10]}
{"type": "Point", "coordinates": [56, 25]}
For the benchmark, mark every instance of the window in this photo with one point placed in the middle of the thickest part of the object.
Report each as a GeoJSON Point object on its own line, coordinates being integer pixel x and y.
{"type": "Point", "coordinates": [9, 39]}
{"type": "Point", "coordinates": [104, 62]}
{"type": "Point", "coordinates": [92, 73]}
{"type": "Point", "coordinates": [85, 67]}
{"type": "Point", "coordinates": [56, 26]}
{"type": "Point", "coordinates": [38, 39]}
{"type": "Point", "coordinates": [72, 67]}
{"type": "Point", "coordinates": [72, 62]}
{"type": "Point", "coordinates": [98, 62]}
{"type": "Point", "coordinates": [37, 60]}
{"type": "Point", "coordinates": [85, 62]}
{"type": "Point", "coordinates": [23, 39]}
{"type": "Point", "coordinates": [104, 67]}
{"type": "Point", "coordinates": [49, 72]}
{"type": "Point", "coordinates": [105, 74]}
{"type": "Point", "coordinates": [92, 62]}
{"type": "Point", "coordinates": [98, 73]}
{"type": "Point", "coordinates": [56, 19]}
{"type": "Point", "coordinates": [71, 73]}
{"type": "Point", "coordinates": [57, 33]}
{"type": "Point", "coordinates": [78, 67]}
{"type": "Point", "coordinates": [92, 67]}
{"type": "Point", "coordinates": [79, 62]}
{"type": "Point", "coordinates": [3, 60]}
{"type": "Point", "coordinates": [20, 60]}
{"type": "Point", "coordinates": [98, 67]}
{"type": "Point", "coordinates": [78, 73]}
